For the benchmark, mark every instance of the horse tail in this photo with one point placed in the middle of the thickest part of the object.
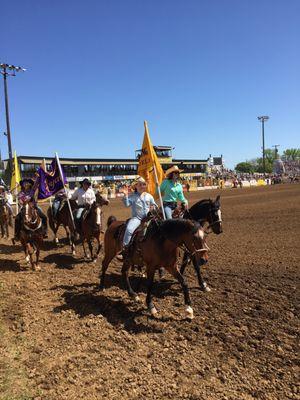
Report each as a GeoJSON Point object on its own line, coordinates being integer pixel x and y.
{"type": "Point", "coordinates": [110, 220]}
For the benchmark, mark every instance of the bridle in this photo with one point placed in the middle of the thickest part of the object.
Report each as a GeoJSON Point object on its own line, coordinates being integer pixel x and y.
{"type": "Point", "coordinates": [31, 222]}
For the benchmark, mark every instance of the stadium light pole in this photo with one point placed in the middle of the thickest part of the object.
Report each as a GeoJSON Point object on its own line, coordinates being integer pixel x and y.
{"type": "Point", "coordinates": [262, 119]}
{"type": "Point", "coordinates": [8, 70]}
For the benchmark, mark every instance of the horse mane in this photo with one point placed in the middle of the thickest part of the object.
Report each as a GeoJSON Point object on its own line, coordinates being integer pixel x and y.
{"type": "Point", "coordinates": [173, 228]}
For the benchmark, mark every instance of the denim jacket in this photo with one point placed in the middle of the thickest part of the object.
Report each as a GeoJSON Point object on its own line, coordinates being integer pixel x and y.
{"type": "Point", "coordinates": [139, 203]}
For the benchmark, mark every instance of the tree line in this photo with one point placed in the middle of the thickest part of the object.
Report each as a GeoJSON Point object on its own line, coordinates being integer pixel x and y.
{"type": "Point", "coordinates": [256, 164]}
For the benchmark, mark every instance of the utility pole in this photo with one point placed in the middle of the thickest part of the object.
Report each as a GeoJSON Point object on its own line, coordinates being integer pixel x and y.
{"type": "Point", "coordinates": [262, 119]}
{"type": "Point", "coordinates": [4, 68]}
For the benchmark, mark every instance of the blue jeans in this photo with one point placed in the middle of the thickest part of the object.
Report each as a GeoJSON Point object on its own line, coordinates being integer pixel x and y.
{"type": "Point", "coordinates": [55, 207]}
{"type": "Point", "coordinates": [169, 207]}
{"type": "Point", "coordinates": [79, 212]}
{"type": "Point", "coordinates": [130, 228]}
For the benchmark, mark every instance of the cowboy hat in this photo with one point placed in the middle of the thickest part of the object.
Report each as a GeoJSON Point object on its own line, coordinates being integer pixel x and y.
{"type": "Point", "coordinates": [138, 180]}
{"type": "Point", "coordinates": [173, 169]}
{"type": "Point", "coordinates": [27, 180]}
{"type": "Point", "coordinates": [85, 180]}
{"type": "Point", "coordinates": [2, 187]}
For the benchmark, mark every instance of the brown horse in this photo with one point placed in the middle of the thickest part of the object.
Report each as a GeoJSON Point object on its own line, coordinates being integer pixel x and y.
{"type": "Point", "coordinates": [158, 249]}
{"type": "Point", "coordinates": [91, 226]}
{"type": "Point", "coordinates": [63, 218]}
{"type": "Point", "coordinates": [31, 234]}
{"type": "Point", "coordinates": [4, 218]}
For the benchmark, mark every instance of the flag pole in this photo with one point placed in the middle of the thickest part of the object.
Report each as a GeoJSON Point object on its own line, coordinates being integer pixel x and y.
{"type": "Point", "coordinates": [67, 197]}
{"type": "Point", "coordinates": [159, 192]}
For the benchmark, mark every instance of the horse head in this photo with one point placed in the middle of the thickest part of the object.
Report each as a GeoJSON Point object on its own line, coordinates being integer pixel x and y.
{"type": "Point", "coordinates": [30, 216]}
{"type": "Point", "coordinates": [215, 217]}
{"type": "Point", "coordinates": [100, 200]}
{"type": "Point", "coordinates": [188, 233]}
{"type": "Point", "coordinates": [209, 211]}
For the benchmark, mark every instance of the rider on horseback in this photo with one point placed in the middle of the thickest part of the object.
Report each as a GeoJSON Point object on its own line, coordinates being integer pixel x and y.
{"type": "Point", "coordinates": [58, 202]}
{"type": "Point", "coordinates": [141, 203]}
{"type": "Point", "coordinates": [85, 197]}
{"type": "Point", "coordinates": [6, 197]}
{"type": "Point", "coordinates": [172, 191]}
{"type": "Point", "coordinates": [27, 196]}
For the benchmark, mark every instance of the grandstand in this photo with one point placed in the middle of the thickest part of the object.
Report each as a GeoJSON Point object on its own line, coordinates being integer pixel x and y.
{"type": "Point", "coordinates": [112, 169]}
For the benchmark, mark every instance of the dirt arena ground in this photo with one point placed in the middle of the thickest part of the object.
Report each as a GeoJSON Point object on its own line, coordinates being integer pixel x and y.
{"type": "Point", "coordinates": [62, 339]}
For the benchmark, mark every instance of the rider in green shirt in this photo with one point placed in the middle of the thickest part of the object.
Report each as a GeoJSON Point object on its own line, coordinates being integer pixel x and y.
{"type": "Point", "coordinates": [172, 191]}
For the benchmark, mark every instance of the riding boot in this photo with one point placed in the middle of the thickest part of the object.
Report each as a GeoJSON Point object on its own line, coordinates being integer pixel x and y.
{"type": "Point", "coordinates": [124, 253]}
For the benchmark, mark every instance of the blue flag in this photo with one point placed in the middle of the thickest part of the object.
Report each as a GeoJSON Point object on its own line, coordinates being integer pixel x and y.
{"type": "Point", "coordinates": [50, 182]}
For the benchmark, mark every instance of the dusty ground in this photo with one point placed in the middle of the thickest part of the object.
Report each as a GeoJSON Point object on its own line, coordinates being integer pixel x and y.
{"type": "Point", "coordinates": [62, 339]}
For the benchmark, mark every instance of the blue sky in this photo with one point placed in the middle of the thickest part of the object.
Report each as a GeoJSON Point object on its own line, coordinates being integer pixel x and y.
{"type": "Point", "coordinates": [200, 72]}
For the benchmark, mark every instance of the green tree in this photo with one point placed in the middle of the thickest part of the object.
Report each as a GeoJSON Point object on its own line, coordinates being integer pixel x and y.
{"type": "Point", "coordinates": [245, 167]}
{"type": "Point", "coordinates": [292, 154]}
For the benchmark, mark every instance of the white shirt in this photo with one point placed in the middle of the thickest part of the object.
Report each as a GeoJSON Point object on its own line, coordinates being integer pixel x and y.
{"type": "Point", "coordinates": [84, 197]}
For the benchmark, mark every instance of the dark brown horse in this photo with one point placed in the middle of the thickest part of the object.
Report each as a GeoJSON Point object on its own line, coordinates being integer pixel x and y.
{"type": "Point", "coordinates": [4, 218]}
{"type": "Point", "coordinates": [63, 218]}
{"type": "Point", "coordinates": [31, 234]}
{"type": "Point", "coordinates": [158, 249]}
{"type": "Point", "coordinates": [91, 226]}
{"type": "Point", "coordinates": [208, 213]}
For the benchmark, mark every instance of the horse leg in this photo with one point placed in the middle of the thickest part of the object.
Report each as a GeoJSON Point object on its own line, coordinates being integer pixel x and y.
{"type": "Point", "coordinates": [105, 263]}
{"type": "Point", "coordinates": [202, 284]}
{"type": "Point", "coordinates": [91, 248]}
{"type": "Point", "coordinates": [150, 280]}
{"type": "Point", "coordinates": [98, 248]}
{"type": "Point", "coordinates": [185, 262]}
{"type": "Point", "coordinates": [189, 313]}
{"type": "Point", "coordinates": [125, 275]}
{"type": "Point", "coordinates": [37, 255]}
{"type": "Point", "coordinates": [84, 250]}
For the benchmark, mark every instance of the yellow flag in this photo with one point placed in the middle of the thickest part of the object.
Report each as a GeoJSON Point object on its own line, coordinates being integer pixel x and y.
{"type": "Point", "coordinates": [147, 162]}
{"type": "Point", "coordinates": [16, 177]}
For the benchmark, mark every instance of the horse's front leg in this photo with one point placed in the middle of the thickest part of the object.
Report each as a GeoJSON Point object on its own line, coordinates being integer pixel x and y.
{"type": "Point", "coordinates": [150, 280]}
{"type": "Point", "coordinates": [91, 247]}
{"type": "Point", "coordinates": [7, 230]}
{"type": "Point", "coordinates": [202, 284]}
{"type": "Point", "coordinates": [185, 262]}
{"type": "Point", "coordinates": [37, 255]}
{"type": "Point", "coordinates": [98, 248]}
{"type": "Point", "coordinates": [84, 249]}
{"type": "Point", "coordinates": [125, 275]}
{"type": "Point", "coordinates": [189, 313]}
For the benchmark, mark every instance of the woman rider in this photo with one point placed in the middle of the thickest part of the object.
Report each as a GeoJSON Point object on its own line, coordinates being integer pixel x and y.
{"type": "Point", "coordinates": [25, 196]}
{"type": "Point", "coordinates": [141, 203]}
{"type": "Point", "coordinates": [172, 191]}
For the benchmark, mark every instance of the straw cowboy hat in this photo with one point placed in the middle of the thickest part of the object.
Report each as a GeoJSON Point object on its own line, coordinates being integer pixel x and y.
{"type": "Point", "coordinates": [173, 169]}
{"type": "Point", "coordinates": [138, 180]}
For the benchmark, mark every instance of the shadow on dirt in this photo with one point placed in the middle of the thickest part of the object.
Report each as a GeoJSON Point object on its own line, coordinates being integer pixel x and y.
{"type": "Point", "coordinates": [62, 261]}
{"type": "Point", "coordinates": [9, 248]}
{"type": "Point", "coordinates": [9, 265]}
{"type": "Point", "coordinates": [114, 311]}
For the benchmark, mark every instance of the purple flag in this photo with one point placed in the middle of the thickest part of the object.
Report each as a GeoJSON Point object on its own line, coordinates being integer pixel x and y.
{"type": "Point", "coordinates": [50, 182]}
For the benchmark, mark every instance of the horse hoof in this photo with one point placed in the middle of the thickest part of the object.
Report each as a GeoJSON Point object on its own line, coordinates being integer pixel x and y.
{"type": "Point", "coordinates": [189, 313]}
{"type": "Point", "coordinates": [205, 287]}
{"type": "Point", "coordinates": [73, 253]}
{"type": "Point", "coordinates": [56, 241]}
{"type": "Point", "coordinates": [153, 311]}
{"type": "Point", "coordinates": [27, 259]}
{"type": "Point", "coordinates": [95, 260]}
{"type": "Point", "coordinates": [137, 299]}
